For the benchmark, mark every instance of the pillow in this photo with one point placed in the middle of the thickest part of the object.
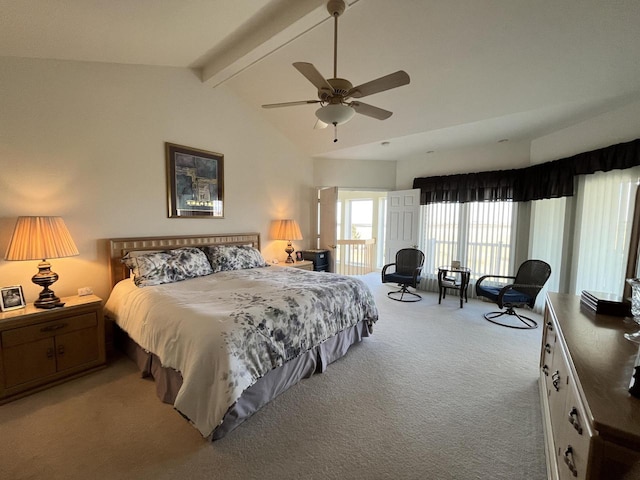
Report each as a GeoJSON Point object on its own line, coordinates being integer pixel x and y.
{"type": "Point", "coordinates": [149, 268]}
{"type": "Point", "coordinates": [156, 268]}
{"type": "Point", "coordinates": [233, 257]}
{"type": "Point", "coordinates": [190, 262]}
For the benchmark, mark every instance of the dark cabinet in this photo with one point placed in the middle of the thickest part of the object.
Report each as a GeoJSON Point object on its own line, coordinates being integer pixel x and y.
{"type": "Point", "coordinates": [320, 259]}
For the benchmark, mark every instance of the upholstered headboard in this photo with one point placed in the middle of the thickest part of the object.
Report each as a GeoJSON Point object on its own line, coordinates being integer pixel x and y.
{"type": "Point", "coordinates": [119, 247]}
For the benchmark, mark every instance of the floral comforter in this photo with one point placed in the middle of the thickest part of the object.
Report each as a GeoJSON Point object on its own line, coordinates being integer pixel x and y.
{"type": "Point", "coordinates": [225, 331]}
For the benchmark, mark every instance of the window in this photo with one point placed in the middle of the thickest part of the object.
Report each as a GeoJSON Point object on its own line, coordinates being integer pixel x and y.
{"type": "Point", "coordinates": [479, 234]}
{"type": "Point", "coordinates": [361, 213]}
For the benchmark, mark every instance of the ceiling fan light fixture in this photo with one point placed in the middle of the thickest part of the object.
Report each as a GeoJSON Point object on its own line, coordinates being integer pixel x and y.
{"type": "Point", "coordinates": [335, 114]}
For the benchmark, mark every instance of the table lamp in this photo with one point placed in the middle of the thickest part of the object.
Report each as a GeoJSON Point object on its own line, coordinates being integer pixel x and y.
{"type": "Point", "coordinates": [39, 238]}
{"type": "Point", "coordinates": [287, 230]}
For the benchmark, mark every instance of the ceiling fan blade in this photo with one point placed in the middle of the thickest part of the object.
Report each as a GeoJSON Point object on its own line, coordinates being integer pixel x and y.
{"type": "Point", "coordinates": [370, 110]}
{"type": "Point", "coordinates": [393, 80]}
{"type": "Point", "coordinates": [290, 104]}
{"type": "Point", "coordinates": [313, 75]}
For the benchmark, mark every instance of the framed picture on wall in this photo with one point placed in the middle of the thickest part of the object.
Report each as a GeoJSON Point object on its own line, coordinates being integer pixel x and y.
{"type": "Point", "coordinates": [195, 182]}
{"type": "Point", "coordinates": [11, 298]}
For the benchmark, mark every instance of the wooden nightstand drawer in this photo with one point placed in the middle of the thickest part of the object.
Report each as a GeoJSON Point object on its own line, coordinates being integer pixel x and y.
{"type": "Point", "coordinates": [17, 336]}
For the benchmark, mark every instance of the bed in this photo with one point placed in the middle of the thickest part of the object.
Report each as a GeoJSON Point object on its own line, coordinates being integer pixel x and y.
{"type": "Point", "coordinates": [220, 344]}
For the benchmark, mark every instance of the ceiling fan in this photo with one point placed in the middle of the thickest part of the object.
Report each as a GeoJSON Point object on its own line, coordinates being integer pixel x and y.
{"type": "Point", "coordinates": [333, 93]}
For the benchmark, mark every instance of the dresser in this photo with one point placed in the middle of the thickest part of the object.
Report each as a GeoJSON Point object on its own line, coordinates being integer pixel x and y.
{"type": "Point", "coordinates": [591, 422]}
{"type": "Point", "coordinates": [40, 348]}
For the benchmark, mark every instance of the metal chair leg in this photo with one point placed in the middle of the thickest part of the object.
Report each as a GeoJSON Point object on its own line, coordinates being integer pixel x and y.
{"type": "Point", "coordinates": [404, 290]}
{"type": "Point", "coordinates": [528, 323]}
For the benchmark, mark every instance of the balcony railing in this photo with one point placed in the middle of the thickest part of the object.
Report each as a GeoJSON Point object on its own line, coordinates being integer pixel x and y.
{"type": "Point", "coordinates": [355, 257]}
{"type": "Point", "coordinates": [482, 257]}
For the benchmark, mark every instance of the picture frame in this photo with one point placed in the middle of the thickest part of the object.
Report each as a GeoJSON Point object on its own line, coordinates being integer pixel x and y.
{"type": "Point", "coordinates": [11, 298]}
{"type": "Point", "coordinates": [299, 256]}
{"type": "Point", "coordinates": [195, 182]}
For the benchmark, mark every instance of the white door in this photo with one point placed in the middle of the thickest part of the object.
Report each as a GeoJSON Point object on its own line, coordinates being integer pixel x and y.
{"type": "Point", "coordinates": [403, 222]}
{"type": "Point", "coordinates": [329, 224]}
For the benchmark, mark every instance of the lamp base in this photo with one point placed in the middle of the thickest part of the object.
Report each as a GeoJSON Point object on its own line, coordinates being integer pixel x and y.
{"type": "Point", "coordinates": [289, 250]}
{"type": "Point", "coordinates": [47, 299]}
{"type": "Point", "coordinates": [44, 278]}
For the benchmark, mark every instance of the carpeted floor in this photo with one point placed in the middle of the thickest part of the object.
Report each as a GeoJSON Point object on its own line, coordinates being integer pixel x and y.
{"type": "Point", "coordinates": [436, 393]}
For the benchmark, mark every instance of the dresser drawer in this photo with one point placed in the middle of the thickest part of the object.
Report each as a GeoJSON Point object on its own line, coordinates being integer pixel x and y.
{"type": "Point", "coordinates": [548, 348]}
{"type": "Point", "coordinates": [18, 336]}
{"type": "Point", "coordinates": [574, 438]}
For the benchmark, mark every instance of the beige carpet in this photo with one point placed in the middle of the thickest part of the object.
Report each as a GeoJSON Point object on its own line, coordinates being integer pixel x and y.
{"type": "Point", "coordinates": [436, 393]}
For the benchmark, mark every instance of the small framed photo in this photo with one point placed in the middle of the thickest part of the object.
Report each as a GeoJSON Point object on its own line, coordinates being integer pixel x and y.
{"type": "Point", "coordinates": [299, 257]}
{"type": "Point", "coordinates": [11, 298]}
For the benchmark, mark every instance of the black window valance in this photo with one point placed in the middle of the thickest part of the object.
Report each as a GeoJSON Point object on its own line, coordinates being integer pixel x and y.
{"type": "Point", "coordinates": [546, 180]}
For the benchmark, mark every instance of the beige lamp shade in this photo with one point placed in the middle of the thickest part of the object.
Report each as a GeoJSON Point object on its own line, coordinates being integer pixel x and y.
{"type": "Point", "coordinates": [287, 230]}
{"type": "Point", "coordinates": [39, 238]}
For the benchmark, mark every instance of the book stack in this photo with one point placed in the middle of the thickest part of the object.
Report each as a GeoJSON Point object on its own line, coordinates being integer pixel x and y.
{"type": "Point", "coordinates": [605, 303]}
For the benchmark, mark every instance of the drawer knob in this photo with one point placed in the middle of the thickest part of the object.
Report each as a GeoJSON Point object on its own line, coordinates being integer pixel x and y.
{"type": "Point", "coordinates": [550, 326]}
{"type": "Point", "coordinates": [545, 370]}
{"type": "Point", "coordinates": [568, 459]}
{"type": "Point", "coordinates": [556, 380]}
{"type": "Point", "coordinates": [60, 349]}
{"type": "Point", "coordinates": [573, 420]}
{"type": "Point", "coordinates": [49, 352]}
{"type": "Point", "coordinates": [547, 348]}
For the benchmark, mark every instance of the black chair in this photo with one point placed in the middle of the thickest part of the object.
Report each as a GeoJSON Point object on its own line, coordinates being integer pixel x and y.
{"type": "Point", "coordinates": [408, 266]}
{"type": "Point", "coordinates": [531, 277]}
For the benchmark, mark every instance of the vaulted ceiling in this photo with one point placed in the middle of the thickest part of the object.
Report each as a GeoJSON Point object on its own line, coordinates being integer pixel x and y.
{"type": "Point", "coordinates": [481, 70]}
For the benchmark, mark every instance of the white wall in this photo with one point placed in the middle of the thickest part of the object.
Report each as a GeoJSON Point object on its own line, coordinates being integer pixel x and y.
{"type": "Point", "coordinates": [86, 141]}
{"type": "Point", "coordinates": [617, 126]}
{"type": "Point", "coordinates": [367, 174]}
{"type": "Point", "coordinates": [499, 156]}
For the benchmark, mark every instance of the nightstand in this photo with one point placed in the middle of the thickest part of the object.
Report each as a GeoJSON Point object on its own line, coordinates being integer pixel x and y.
{"type": "Point", "coordinates": [302, 265]}
{"type": "Point", "coordinates": [320, 259]}
{"type": "Point", "coordinates": [40, 348]}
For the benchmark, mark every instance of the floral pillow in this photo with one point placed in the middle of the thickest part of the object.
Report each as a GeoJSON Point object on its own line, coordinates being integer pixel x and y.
{"type": "Point", "coordinates": [190, 262]}
{"type": "Point", "coordinates": [156, 268]}
{"type": "Point", "coordinates": [233, 257]}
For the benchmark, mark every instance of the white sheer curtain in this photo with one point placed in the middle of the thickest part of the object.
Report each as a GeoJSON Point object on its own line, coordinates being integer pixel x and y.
{"type": "Point", "coordinates": [546, 240]}
{"type": "Point", "coordinates": [603, 226]}
{"type": "Point", "coordinates": [480, 235]}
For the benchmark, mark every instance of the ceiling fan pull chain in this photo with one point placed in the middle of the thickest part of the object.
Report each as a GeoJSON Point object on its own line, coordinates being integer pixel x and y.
{"type": "Point", "coordinates": [335, 132]}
